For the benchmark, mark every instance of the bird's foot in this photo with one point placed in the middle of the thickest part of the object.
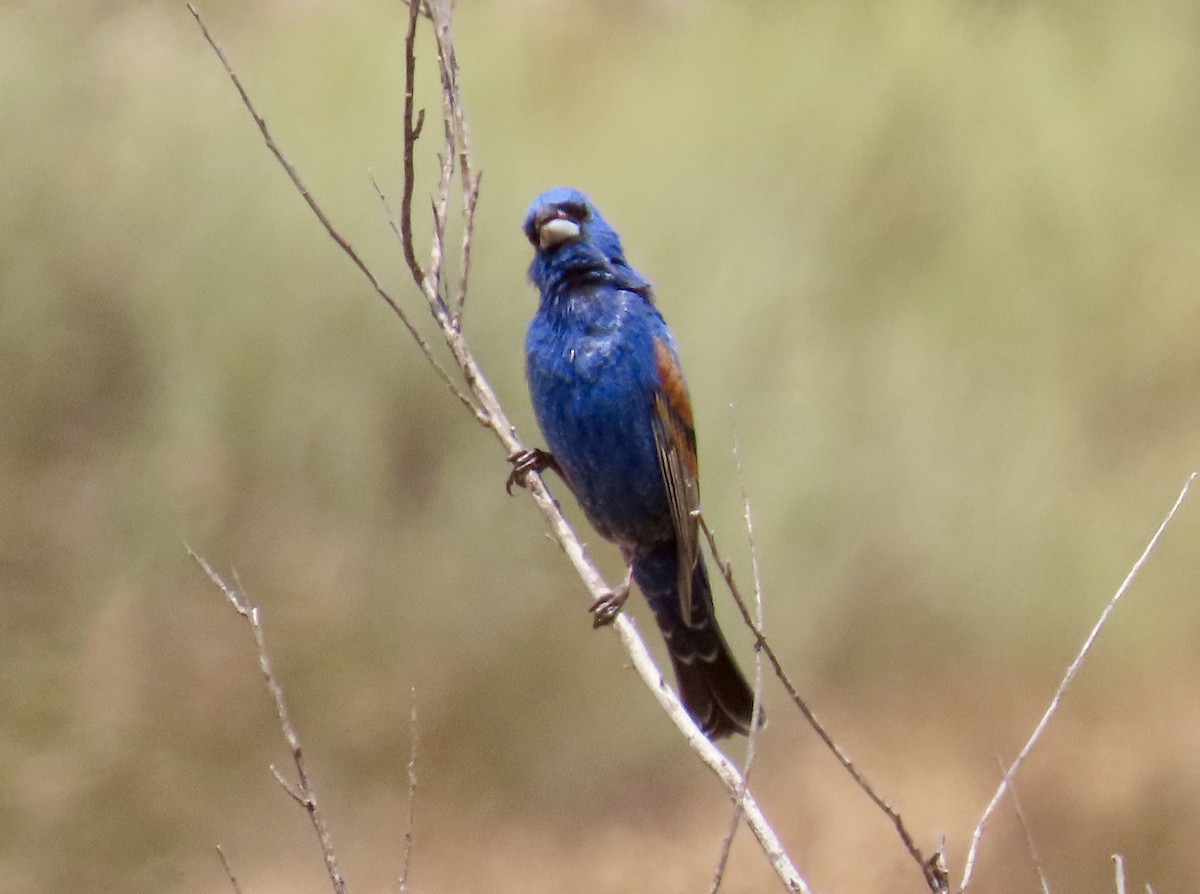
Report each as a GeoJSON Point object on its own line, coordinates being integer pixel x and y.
{"type": "Point", "coordinates": [524, 462]}
{"type": "Point", "coordinates": [605, 609]}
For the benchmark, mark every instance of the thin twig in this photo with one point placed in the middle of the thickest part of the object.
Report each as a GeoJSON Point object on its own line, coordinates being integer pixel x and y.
{"type": "Point", "coordinates": [486, 408]}
{"type": "Point", "coordinates": [930, 867]}
{"type": "Point", "coordinates": [1119, 870]}
{"type": "Point", "coordinates": [409, 833]}
{"type": "Point", "coordinates": [440, 208]}
{"type": "Point", "coordinates": [505, 432]}
{"type": "Point", "coordinates": [290, 790]}
{"type": "Point", "coordinates": [456, 117]}
{"type": "Point", "coordinates": [325, 222]}
{"type": "Point", "coordinates": [756, 707]}
{"type": "Point", "coordinates": [1072, 670]}
{"type": "Point", "coordinates": [712, 757]}
{"type": "Point", "coordinates": [1026, 830]}
{"type": "Point", "coordinates": [459, 137]}
{"type": "Point", "coordinates": [469, 202]}
{"type": "Point", "coordinates": [392, 220]}
{"type": "Point", "coordinates": [301, 791]}
{"type": "Point", "coordinates": [237, 889]}
{"type": "Point", "coordinates": [412, 132]}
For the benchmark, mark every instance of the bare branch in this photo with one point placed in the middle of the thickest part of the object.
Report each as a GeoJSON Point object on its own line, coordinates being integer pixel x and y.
{"type": "Point", "coordinates": [409, 836]}
{"type": "Point", "coordinates": [469, 202]}
{"type": "Point", "coordinates": [439, 207]}
{"type": "Point", "coordinates": [1025, 830]}
{"type": "Point", "coordinates": [934, 876]}
{"type": "Point", "coordinates": [455, 116]}
{"type": "Point", "coordinates": [709, 754]}
{"type": "Point", "coordinates": [1072, 670]}
{"type": "Point", "coordinates": [392, 220]}
{"type": "Point", "coordinates": [756, 714]}
{"type": "Point", "coordinates": [458, 136]}
{"type": "Point", "coordinates": [1119, 870]}
{"type": "Point", "coordinates": [483, 402]}
{"type": "Point", "coordinates": [412, 132]}
{"type": "Point", "coordinates": [291, 791]}
{"type": "Point", "coordinates": [333, 232]}
{"type": "Point", "coordinates": [237, 889]}
{"type": "Point", "coordinates": [302, 792]}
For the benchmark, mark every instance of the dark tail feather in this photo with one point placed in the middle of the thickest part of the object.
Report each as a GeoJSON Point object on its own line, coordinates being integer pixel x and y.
{"type": "Point", "coordinates": [711, 686]}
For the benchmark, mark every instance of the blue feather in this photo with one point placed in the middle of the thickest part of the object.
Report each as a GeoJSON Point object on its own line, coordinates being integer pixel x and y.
{"type": "Point", "coordinates": [602, 391]}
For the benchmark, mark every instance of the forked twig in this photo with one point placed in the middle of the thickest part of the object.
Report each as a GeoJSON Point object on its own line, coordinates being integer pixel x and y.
{"type": "Point", "coordinates": [931, 868]}
{"type": "Point", "coordinates": [712, 757]}
{"type": "Point", "coordinates": [482, 400]}
{"type": "Point", "coordinates": [301, 791]}
{"type": "Point", "coordinates": [468, 238]}
{"type": "Point", "coordinates": [756, 707]}
{"type": "Point", "coordinates": [330, 229]}
{"type": "Point", "coordinates": [1068, 677]}
{"type": "Point", "coordinates": [1026, 831]}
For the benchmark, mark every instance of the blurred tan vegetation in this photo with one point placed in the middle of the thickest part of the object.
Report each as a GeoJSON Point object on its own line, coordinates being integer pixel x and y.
{"type": "Point", "coordinates": [941, 257]}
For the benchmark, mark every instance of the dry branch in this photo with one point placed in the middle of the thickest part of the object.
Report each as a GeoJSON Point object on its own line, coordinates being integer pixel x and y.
{"type": "Point", "coordinates": [1119, 872]}
{"type": "Point", "coordinates": [932, 868]}
{"type": "Point", "coordinates": [409, 832]}
{"type": "Point", "coordinates": [1026, 831]}
{"type": "Point", "coordinates": [478, 396]}
{"type": "Point", "coordinates": [1068, 677]}
{"type": "Point", "coordinates": [233, 882]}
{"type": "Point", "coordinates": [756, 715]}
{"type": "Point", "coordinates": [301, 790]}
{"type": "Point", "coordinates": [445, 302]}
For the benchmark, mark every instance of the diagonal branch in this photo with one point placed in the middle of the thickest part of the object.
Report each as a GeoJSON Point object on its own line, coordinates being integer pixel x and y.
{"type": "Point", "coordinates": [481, 399]}
{"type": "Point", "coordinates": [229, 874]}
{"type": "Point", "coordinates": [756, 709]}
{"type": "Point", "coordinates": [412, 132]}
{"type": "Point", "coordinates": [1026, 831]}
{"type": "Point", "coordinates": [301, 791]}
{"type": "Point", "coordinates": [410, 832]}
{"type": "Point", "coordinates": [1066, 681]}
{"type": "Point", "coordinates": [325, 222]}
{"type": "Point", "coordinates": [931, 866]}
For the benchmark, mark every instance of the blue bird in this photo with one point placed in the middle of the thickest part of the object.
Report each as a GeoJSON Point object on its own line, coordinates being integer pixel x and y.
{"type": "Point", "coordinates": [610, 398]}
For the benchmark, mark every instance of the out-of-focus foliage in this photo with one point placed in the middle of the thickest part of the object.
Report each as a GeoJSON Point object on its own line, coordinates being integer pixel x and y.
{"type": "Point", "coordinates": [941, 257]}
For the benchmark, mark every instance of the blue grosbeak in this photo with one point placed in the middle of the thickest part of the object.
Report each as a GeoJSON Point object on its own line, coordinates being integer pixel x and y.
{"type": "Point", "coordinates": [613, 406]}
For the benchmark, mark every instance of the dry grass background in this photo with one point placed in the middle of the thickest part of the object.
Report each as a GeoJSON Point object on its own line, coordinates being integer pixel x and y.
{"type": "Point", "coordinates": [941, 256]}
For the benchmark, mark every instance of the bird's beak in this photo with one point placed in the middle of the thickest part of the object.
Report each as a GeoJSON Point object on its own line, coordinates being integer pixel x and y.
{"type": "Point", "coordinates": [555, 230]}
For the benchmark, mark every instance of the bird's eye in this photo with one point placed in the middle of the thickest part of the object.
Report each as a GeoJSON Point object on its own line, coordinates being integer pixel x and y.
{"type": "Point", "coordinates": [576, 211]}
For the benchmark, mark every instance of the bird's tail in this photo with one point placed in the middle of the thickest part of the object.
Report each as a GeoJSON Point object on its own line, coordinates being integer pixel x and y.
{"type": "Point", "coordinates": [711, 686]}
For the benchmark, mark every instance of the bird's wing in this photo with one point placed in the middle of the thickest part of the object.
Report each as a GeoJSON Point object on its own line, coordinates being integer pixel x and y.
{"type": "Point", "coordinates": [675, 442]}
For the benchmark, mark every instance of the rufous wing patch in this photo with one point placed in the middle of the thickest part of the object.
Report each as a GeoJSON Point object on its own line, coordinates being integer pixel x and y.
{"type": "Point", "coordinates": [675, 442]}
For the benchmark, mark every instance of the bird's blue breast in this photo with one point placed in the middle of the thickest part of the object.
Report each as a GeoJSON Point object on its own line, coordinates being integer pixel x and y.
{"type": "Point", "coordinates": [592, 375]}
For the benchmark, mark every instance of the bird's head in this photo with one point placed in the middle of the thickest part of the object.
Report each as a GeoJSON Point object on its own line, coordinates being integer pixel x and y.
{"type": "Point", "coordinates": [569, 236]}
{"type": "Point", "coordinates": [563, 216]}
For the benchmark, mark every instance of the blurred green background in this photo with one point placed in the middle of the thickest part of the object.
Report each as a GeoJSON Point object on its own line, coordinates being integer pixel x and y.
{"type": "Point", "coordinates": [941, 258]}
